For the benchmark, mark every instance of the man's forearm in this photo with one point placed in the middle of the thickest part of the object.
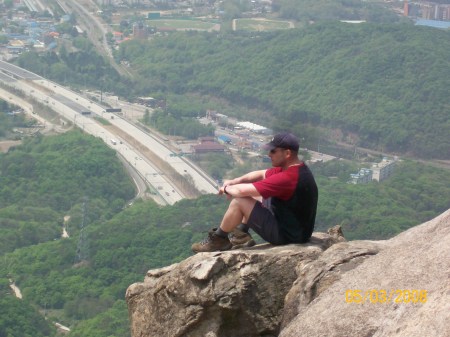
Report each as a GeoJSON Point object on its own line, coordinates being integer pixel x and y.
{"type": "Point", "coordinates": [241, 190]}
{"type": "Point", "coordinates": [247, 178]}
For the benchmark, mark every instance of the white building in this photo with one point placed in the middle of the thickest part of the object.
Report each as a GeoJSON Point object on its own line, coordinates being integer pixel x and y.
{"type": "Point", "coordinates": [364, 176]}
{"type": "Point", "coordinates": [383, 169]}
{"type": "Point", "coordinates": [253, 127]}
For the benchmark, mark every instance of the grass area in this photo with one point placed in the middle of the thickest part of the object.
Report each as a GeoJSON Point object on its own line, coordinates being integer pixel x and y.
{"type": "Point", "coordinates": [102, 120]}
{"type": "Point", "coordinates": [182, 24]}
{"type": "Point", "coordinates": [258, 24]}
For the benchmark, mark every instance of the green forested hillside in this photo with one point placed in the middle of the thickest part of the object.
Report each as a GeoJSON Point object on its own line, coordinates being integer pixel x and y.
{"type": "Point", "coordinates": [414, 194]}
{"type": "Point", "coordinates": [47, 178]}
{"type": "Point", "coordinates": [319, 10]}
{"type": "Point", "coordinates": [121, 245]}
{"type": "Point", "coordinates": [83, 68]}
{"type": "Point", "coordinates": [9, 121]}
{"type": "Point", "coordinates": [386, 86]}
{"type": "Point", "coordinates": [18, 318]}
{"type": "Point", "coordinates": [42, 181]}
{"type": "Point", "coordinates": [121, 250]}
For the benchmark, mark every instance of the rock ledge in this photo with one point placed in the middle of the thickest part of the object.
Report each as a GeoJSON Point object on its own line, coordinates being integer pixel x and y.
{"type": "Point", "coordinates": [299, 289]}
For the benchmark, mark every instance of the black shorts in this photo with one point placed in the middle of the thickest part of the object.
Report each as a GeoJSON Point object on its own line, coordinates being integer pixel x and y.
{"type": "Point", "coordinates": [263, 222]}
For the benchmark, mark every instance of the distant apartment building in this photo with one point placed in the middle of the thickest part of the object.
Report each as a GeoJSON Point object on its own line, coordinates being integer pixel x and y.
{"type": "Point", "coordinates": [427, 10]}
{"type": "Point", "coordinates": [383, 169]}
{"type": "Point", "coordinates": [379, 172]}
{"type": "Point", "coordinates": [364, 176]}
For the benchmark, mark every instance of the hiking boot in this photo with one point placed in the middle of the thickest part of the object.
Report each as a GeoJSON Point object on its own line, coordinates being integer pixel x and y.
{"type": "Point", "coordinates": [240, 239]}
{"type": "Point", "coordinates": [212, 243]}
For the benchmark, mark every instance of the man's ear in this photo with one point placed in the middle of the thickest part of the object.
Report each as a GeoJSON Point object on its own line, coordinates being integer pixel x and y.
{"type": "Point", "coordinates": [288, 153]}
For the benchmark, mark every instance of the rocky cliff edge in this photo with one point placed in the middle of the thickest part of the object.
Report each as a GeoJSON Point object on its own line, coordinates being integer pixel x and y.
{"type": "Point", "coordinates": [327, 287]}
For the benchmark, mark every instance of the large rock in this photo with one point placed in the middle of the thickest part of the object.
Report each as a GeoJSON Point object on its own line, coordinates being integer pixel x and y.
{"type": "Point", "coordinates": [233, 293]}
{"type": "Point", "coordinates": [300, 290]}
{"type": "Point", "coordinates": [417, 260]}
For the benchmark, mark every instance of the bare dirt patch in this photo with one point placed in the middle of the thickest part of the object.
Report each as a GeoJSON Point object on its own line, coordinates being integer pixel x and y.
{"type": "Point", "coordinates": [7, 144]}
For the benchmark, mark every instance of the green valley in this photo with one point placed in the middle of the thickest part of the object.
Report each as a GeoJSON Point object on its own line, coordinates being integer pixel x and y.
{"type": "Point", "coordinates": [73, 174]}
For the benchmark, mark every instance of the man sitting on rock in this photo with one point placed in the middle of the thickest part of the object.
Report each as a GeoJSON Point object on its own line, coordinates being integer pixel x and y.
{"type": "Point", "coordinates": [288, 208]}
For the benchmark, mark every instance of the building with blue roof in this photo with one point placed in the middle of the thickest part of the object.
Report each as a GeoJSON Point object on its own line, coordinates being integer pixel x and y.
{"type": "Point", "coordinates": [364, 176]}
{"type": "Point", "coordinates": [433, 23]}
{"type": "Point", "coordinates": [224, 139]}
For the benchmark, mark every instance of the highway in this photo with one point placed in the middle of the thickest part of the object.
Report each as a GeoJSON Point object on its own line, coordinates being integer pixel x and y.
{"type": "Point", "coordinates": [203, 183]}
{"type": "Point", "coordinates": [70, 104]}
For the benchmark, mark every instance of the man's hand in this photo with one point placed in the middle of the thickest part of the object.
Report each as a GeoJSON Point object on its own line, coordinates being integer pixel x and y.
{"type": "Point", "coordinates": [226, 183]}
{"type": "Point", "coordinates": [221, 190]}
{"type": "Point", "coordinates": [242, 186]}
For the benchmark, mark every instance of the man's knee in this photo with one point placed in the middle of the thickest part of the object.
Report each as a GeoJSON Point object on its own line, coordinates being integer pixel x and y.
{"type": "Point", "coordinates": [244, 204]}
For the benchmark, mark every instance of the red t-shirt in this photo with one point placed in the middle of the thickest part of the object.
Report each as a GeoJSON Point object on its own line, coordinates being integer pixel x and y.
{"type": "Point", "coordinates": [279, 183]}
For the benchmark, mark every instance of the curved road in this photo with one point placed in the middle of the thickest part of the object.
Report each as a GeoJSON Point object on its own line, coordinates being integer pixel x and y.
{"type": "Point", "coordinates": [70, 105]}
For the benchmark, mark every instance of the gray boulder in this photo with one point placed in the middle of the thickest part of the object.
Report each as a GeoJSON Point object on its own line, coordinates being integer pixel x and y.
{"type": "Point", "coordinates": [417, 260]}
{"type": "Point", "coordinates": [327, 287]}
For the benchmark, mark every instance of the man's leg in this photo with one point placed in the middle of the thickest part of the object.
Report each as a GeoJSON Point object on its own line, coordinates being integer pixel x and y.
{"type": "Point", "coordinates": [238, 211]}
{"type": "Point", "coordinates": [239, 236]}
{"type": "Point", "coordinates": [254, 215]}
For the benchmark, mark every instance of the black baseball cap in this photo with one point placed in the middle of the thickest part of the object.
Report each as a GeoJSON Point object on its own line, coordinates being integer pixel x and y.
{"type": "Point", "coordinates": [284, 140]}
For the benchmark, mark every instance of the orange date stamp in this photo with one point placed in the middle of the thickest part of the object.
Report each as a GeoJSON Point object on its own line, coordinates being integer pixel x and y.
{"type": "Point", "coordinates": [359, 296]}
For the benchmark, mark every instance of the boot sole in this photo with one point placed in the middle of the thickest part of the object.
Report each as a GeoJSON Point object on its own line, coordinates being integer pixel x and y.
{"type": "Point", "coordinates": [212, 251]}
{"type": "Point", "coordinates": [247, 244]}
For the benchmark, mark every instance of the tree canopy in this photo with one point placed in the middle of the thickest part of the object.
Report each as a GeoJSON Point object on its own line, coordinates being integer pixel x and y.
{"type": "Point", "coordinates": [10, 119]}
{"type": "Point", "coordinates": [380, 86]}
{"type": "Point", "coordinates": [385, 84]}
{"type": "Point", "coordinates": [324, 10]}
{"type": "Point", "coordinates": [47, 178]}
